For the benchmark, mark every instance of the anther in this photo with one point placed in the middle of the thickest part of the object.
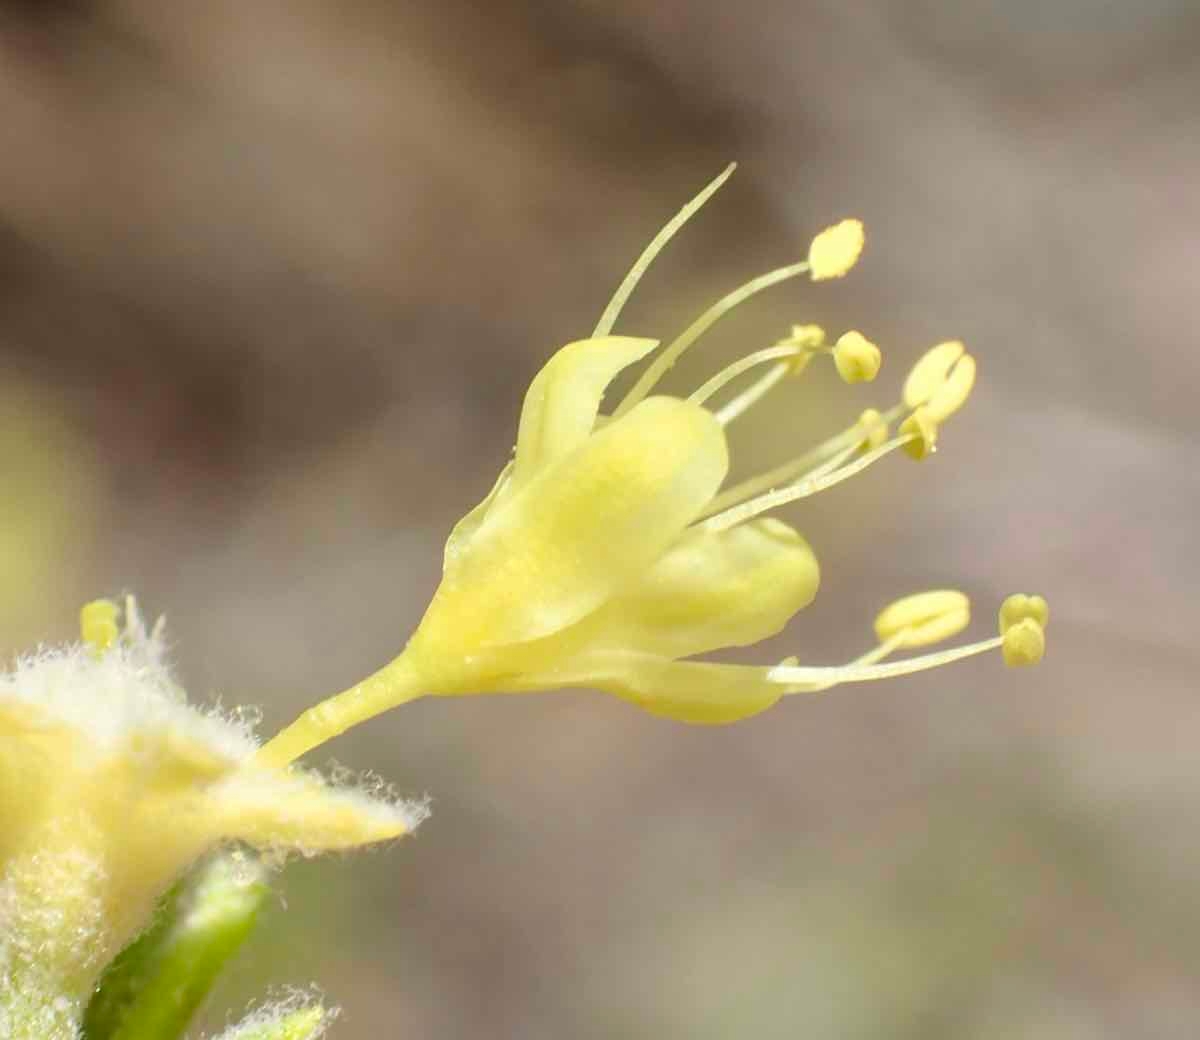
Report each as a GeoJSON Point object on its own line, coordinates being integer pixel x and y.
{"type": "Point", "coordinates": [931, 371]}
{"type": "Point", "coordinates": [952, 394]}
{"type": "Point", "coordinates": [1018, 607]}
{"type": "Point", "coordinates": [1024, 643]}
{"type": "Point", "coordinates": [856, 358]}
{"type": "Point", "coordinates": [835, 250]}
{"type": "Point", "coordinates": [923, 618]}
{"type": "Point", "coordinates": [1023, 629]}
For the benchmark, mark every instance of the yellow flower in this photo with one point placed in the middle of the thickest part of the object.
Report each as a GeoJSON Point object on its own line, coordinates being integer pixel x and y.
{"type": "Point", "coordinates": [111, 785]}
{"type": "Point", "coordinates": [609, 553]}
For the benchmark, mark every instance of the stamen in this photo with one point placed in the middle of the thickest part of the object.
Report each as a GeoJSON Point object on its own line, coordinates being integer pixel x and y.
{"type": "Point", "coordinates": [662, 364]}
{"type": "Point", "coordinates": [804, 488]}
{"type": "Point", "coordinates": [842, 446]}
{"type": "Point", "coordinates": [731, 372]}
{"type": "Point", "coordinates": [810, 339]}
{"type": "Point", "coordinates": [872, 656]}
{"type": "Point", "coordinates": [613, 311]}
{"type": "Point", "coordinates": [754, 393]}
{"type": "Point", "coordinates": [929, 616]}
{"type": "Point", "coordinates": [788, 675]}
{"type": "Point", "coordinates": [790, 471]}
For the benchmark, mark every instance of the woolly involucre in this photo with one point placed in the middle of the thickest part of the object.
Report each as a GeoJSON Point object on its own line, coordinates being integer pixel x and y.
{"type": "Point", "coordinates": [111, 785]}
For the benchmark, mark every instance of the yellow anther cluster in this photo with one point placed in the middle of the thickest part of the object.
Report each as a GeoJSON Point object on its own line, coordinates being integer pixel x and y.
{"type": "Point", "coordinates": [1023, 622]}
{"type": "Point", "coordinates": [98, 625]}
{"type": "Point", "coordinates": [835, 250]}
{"type": "Point", "coordinates": [923, 618]}
{"type": "Point", "coordinates": [856, 358]}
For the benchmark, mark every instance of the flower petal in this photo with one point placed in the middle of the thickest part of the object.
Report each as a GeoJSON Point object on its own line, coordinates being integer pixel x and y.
{"type": "Point", "coordinates": [712, 589]}
{"type": "Point", "coordinates": [561, 406]}
{"type": "Point", "coordinates": [563, 400]}
{"type": "Point", "coordinates": [699, 692]}
{"type": "Point", "coordinates": [579, 531]}
{"type": "Point", "coordinates": [465, 529]}
{"type": "Point", "coordinates": [281, 809]}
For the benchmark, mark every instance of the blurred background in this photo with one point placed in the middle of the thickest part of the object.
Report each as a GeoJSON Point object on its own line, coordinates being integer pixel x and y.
{"type": "Point", "coordinates": [273, 278]}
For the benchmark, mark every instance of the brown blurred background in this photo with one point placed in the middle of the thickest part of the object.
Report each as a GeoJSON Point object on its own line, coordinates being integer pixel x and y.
{"type": "Point", "coordinates": [273, 276]}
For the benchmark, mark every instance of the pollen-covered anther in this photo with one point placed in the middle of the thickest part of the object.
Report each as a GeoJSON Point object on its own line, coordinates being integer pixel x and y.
{"type": "Point", "coordinates": [1024, 643]}
{"type": "Point", "coordinates": [98, 624]}
{"type": "Point", "coordinates": [1019, 606]}
{"type": "Point", "coordinates": [942, 378]}
{"type": "Point", "coordinates": [835, 250]}
{"type": "Point", "coordinates": [1023, 629]}
{"type": "Point", "coordinates": [873, 428]}
{"type": "Point", "coordinates": [923, 618]}
{"type": "Point", "coordinates": [856, 358]}
{"type": "Point", "coordinates": [952, 394]}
